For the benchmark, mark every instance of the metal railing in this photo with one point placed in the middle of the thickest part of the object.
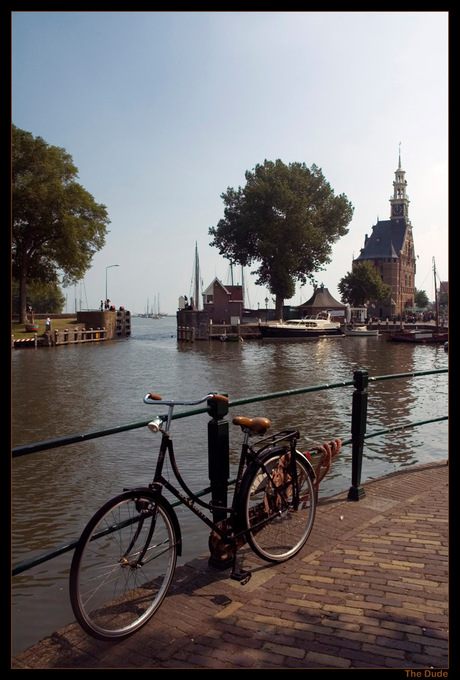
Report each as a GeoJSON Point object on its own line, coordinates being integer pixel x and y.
{"type": "Point", "coordinates": [218, 441]}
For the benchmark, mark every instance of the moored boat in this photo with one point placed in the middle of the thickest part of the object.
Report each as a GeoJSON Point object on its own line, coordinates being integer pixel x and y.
{"type": "Point", "coordinates": [419, 336]}
{"type": "Point", "coordinates": [296, 329]}
{"type": "Point", "coordinates": [361, 331]}
{"type": "Point", "coordinates": [423, 336]}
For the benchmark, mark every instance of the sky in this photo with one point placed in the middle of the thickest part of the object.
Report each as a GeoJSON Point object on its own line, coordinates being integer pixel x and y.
{"type": "Point", "coordinates": [162, 112]}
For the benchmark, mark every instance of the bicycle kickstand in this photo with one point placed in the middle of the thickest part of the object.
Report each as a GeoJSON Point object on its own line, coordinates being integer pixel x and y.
{"type": "Point", "coordinates": [239, 574]}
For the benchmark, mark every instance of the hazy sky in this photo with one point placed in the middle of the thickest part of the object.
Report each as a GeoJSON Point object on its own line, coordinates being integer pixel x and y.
{"type": "Point", "coordinates": [163, 111]}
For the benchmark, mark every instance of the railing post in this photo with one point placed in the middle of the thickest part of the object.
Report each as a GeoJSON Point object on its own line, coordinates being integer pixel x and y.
{"type": "Point", "coordinates": [218, 455]}
{"type": "Point", "coordinates": [358, 430]}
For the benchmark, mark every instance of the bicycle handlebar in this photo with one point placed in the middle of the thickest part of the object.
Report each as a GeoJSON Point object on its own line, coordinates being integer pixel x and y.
{"type": "Point", "coordinates": [152, 398]}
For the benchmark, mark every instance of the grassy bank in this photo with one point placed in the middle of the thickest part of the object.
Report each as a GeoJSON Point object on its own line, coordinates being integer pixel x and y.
{"type": "Point", "coordinates": [20, 333]}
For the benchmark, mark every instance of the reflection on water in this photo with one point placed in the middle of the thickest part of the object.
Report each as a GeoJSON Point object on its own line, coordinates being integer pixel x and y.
{"type": "Point", "coordinates": [58, 391]}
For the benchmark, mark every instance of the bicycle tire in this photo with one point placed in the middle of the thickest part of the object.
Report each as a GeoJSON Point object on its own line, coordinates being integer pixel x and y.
{"type": "Point", "coordinates": [112, 594]}
{"type": "Point", "coordinates": [276, 529]}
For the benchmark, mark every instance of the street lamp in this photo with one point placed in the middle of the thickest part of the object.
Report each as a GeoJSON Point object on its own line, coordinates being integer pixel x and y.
{"type": "Point", "coordinates": [266, 309]}
{"type": "Point", "coordinates": [110, 265]}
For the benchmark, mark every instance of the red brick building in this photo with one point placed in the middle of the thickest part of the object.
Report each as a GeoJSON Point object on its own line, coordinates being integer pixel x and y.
{"type": "Point", "coordinates": [224, 304]}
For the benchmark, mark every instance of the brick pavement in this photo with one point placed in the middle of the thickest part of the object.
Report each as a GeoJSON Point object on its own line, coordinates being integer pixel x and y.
{"type": "Point", "coordinates": [369, 590]}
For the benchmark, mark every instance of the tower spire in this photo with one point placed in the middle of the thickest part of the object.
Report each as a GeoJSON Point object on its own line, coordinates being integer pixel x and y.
{"type": "Point", "coordinates": [400, 200]}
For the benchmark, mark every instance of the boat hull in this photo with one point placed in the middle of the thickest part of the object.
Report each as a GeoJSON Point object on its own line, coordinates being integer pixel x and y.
{"type": "Point", "coordinates": [421, 337]}
{"type": "Point", "coordinates": [280, 333]}
{"type": "Point", "coordinates": [361, 333]}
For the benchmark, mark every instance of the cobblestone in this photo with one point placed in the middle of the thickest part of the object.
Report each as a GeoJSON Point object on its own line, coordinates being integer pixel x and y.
{"type": "Point", "coordinates": [369, 590]}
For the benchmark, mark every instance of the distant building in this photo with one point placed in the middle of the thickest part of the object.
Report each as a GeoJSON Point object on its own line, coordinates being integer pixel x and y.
{"type": "Point", "coordinates": [224, 304]}
{"type": "Point", "coordinates": [390, 248]}
{"type": "Point", "coordinates": [443, 288]}
{"type": "Point", "coordinates": [322, 301]}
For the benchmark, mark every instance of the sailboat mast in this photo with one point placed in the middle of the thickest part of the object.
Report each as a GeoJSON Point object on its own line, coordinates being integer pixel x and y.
{"type": "Point", "coordinates": [435, 296]}
{"type": "Point", "coordinates": [197, 279]}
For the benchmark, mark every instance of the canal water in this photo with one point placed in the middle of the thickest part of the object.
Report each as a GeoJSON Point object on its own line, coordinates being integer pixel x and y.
{"type": "Point", "coordinates": [72, 389]}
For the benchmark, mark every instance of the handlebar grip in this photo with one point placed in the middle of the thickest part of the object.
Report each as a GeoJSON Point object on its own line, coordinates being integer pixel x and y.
{"type": "Point", "coordinates": [154, 397]}
{"type": "Point", "coordinates": [219, 397]}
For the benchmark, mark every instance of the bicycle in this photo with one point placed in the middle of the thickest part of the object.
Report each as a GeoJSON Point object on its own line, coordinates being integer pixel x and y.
{"type": "Point", "coordinates": [125, 559]}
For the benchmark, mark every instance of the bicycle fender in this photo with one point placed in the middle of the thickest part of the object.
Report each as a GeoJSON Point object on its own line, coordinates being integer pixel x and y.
{"type": "Point", "coordinates": [308, 465]}
{"type": "Point", "coordinates": [305, 460]}
{"type": "Point", "coordinates": [168, 508]}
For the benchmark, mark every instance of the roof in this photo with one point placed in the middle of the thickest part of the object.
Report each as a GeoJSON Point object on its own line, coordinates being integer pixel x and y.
{"type": "Point", "coordinates": [386, 240]}
{"type": "Point", "coordinates": [322, 300]}
{"type": "Point", "coordinates": [235, 292]}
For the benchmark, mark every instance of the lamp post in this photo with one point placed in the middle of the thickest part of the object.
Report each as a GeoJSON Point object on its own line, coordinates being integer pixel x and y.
{"type": "Point", "coordinates": [110, 265]}
{"type": "Point", "coordinates": [266, 309]}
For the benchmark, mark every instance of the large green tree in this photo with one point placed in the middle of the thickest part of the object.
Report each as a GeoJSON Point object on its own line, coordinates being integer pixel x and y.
{"type": "Point", "coordinates": [57, 226]}
{"type": "Point", "coordinates": [286, 218]}
{"type": "Point", "coordinates": [363, 284]}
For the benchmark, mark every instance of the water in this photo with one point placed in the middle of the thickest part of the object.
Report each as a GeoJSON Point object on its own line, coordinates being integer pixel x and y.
{"type": "Point", "coordinates": [65, 390]}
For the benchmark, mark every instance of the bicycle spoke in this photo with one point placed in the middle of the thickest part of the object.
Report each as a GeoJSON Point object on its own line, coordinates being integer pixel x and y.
{"type": "Point", "coordinates": [279, 523]}
{"type": "Point", "coordinates": [122, 568]}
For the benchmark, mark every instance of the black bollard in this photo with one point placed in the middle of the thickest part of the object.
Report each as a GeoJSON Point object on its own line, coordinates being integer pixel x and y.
{"type": "Point", "coordinates": [358, 430]}
{"type": "Point", "coordinates": [218, 456]}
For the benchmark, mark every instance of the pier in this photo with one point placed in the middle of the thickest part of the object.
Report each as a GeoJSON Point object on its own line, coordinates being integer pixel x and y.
{"type": "Point", "coordinates": [90, 326]}
{"type": "Point", "coordinates": [194, 328]}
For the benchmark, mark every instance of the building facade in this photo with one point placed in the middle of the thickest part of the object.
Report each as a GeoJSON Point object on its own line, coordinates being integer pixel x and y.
{"type": "Point", "coordinates": [224, 304]}
{"type": "Point", "coordinates": [390, 248]}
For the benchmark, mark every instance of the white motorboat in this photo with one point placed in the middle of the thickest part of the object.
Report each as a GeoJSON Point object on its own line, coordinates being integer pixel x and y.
{"type": "Point", "coordinates": [295, 329]}
{"type": "Point", "coordinates": [362, 331]}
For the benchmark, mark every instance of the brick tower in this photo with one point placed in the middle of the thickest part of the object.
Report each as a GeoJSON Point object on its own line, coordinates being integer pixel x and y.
{"type": "Point", "coordinates": [390, 248]}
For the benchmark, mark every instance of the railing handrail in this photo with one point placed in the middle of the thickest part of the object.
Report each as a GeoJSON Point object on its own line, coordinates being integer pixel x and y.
{"type": "Point", "coordinates": [65, 440]}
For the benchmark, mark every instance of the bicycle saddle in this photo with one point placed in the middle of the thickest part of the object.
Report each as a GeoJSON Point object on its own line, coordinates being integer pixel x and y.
{"type": "Point", "coordinates": [256, 425]}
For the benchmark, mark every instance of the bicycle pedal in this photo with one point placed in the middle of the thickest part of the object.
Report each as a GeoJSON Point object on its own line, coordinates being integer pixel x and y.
{"type": "Point", "coordinates": [242, 576]}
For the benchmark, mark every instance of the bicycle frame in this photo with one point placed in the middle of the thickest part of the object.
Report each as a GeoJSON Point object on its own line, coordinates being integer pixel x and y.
{"type": "Point", "coordinates": [225, 531]}
{"type": "Point", "coordinates": [190, 499]}
{"type": "Point", "coordinates": [248, 454]}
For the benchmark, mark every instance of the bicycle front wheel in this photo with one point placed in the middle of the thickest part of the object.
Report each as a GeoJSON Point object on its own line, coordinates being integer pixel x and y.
{"type": "Point", "coordinates": [123, 565]}
{"type": "Point", "coordinates": [279, 511]}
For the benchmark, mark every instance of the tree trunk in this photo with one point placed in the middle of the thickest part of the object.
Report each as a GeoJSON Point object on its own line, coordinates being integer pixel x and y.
{"type": "Point", "coordinates": [279, 308]}
{"type": "Point", "coordinates": [23, 297]}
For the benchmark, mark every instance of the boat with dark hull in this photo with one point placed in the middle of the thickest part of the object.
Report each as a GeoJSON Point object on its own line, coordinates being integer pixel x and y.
{"type": "Point", "coordinates": [428, 336]}
{"type": "Point", "coordinates": [298, 329]}
{"type": "Point", "coordinates": [419, 336]}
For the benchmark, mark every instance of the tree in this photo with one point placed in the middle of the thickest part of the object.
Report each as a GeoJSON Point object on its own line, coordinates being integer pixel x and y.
{"type": "Point", "coordinates": [286, 218]}
{"type": "Point", "coordinates": [57, 225]}
{"type": "Point", "coordinates": [44, 298]}
{"type": "Point", "coordinates": [421, 299]}
{"type": "Point", "coordinates": [363, 284]}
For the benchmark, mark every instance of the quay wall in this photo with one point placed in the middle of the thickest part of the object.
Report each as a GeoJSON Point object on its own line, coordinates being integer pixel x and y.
{"type": "Point", "coordinates": [91, 326]}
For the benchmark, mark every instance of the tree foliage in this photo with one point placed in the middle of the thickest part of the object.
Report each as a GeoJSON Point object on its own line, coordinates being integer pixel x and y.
{"type": "Point", "coordinates": [57, 226]}
{"type": "Point", "coordinates": [286, 218]}
{"type": "Point", "coordinates": [421, 299]}
{"type": "Point", "coordinates": [44, 298]}
{"type": "Point", "coordinates": [363, 284]}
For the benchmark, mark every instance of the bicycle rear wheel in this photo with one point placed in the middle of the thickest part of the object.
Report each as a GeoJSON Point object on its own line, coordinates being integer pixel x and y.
{"type": "Point", "coordinates": [279, 520]}
{"type": "Point", "coordinates": [123, 565]}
